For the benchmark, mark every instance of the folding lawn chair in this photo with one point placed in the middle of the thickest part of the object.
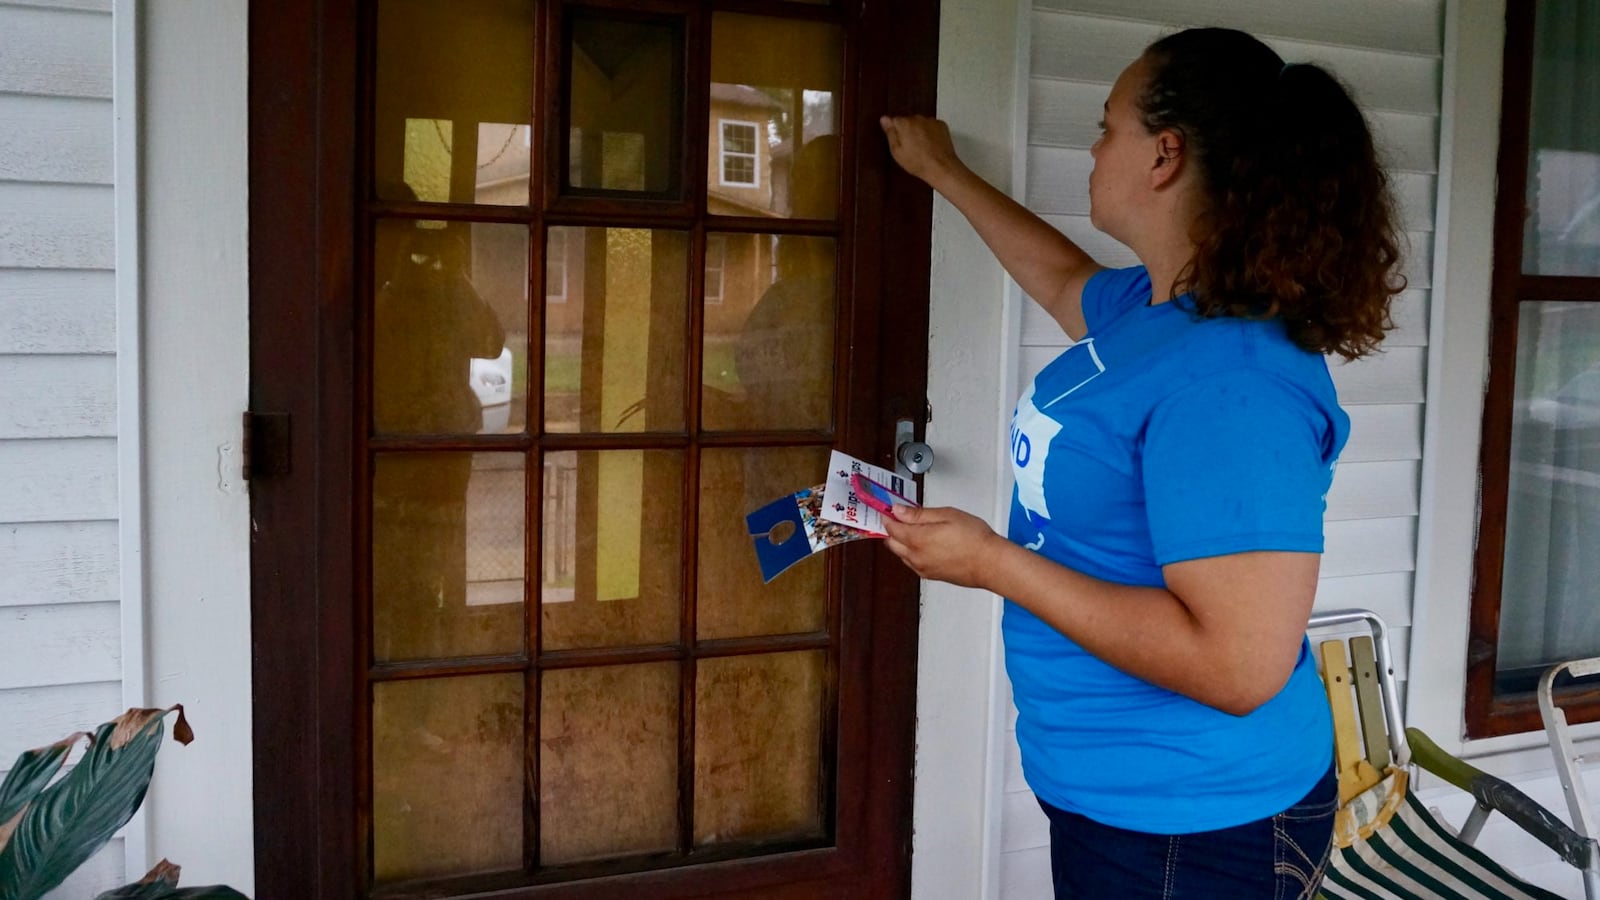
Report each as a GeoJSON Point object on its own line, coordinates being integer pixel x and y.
{"type": "Point", "coordinates": [1386, 843]}
{"type": "Point", "coordinates": [1567, 760]}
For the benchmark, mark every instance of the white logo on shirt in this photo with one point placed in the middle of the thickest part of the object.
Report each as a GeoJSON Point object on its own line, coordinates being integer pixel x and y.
{"type": "Point", "coordinates": [1031, 434]}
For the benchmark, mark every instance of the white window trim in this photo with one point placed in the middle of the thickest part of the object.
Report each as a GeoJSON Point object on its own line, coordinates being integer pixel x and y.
{"type": "Point", "coordinates": [558, 257]}
{"type": "Point", "coordinates": [724, 154]}
{"type": "Point", "coordinates": [714, 298]}
{"type": "Point", "coordinates": [130, 394]}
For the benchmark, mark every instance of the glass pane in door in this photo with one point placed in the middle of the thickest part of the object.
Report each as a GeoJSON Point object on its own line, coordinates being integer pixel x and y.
{"type": "Point", "coordinates": [624, 103]}
{"type": "Point", "coordinates": [447, 782]}
{"type": "Point", "coordinates": [768, 356]}
{"type": "Point", "coordinates": [773, 146]}
{"type": "Point", "coordinates": [615, 327]}
{"type": "Point", "coordinates": [454, 101]}
{"type": "Point", "coordinates": [450, 327]}
{"type": "Point", "coordinates": [447, 555]}
{"type": "Point", "coordinates": [613, 563]}
{"type": "Point", "coordinates": [731, 601]}
{"type": "Point", "coordinates": [608, 762]}
{"type": "Point", "coordinates": [758, 746]}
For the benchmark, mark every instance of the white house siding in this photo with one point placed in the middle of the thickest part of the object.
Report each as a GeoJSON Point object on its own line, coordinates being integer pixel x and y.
{"type": "Point", "coordinates": [1389, 52]}
{"type": "Point", "coordinates": [60, 615]}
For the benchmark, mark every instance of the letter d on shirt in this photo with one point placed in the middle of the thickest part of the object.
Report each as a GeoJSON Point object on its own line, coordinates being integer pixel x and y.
{"type": "Point", "coordinates": [1031, 434]}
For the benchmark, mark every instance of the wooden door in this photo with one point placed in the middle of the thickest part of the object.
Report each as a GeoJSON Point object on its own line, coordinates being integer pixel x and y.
{"type": "Point", "coordinates": [544, 297]}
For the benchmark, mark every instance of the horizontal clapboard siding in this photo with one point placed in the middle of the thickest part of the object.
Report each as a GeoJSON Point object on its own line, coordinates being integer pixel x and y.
{"type": "Point", "coordinates": [58, 562]}
{"type": "Point", "coordinates": [60, 606]}
{"type": "Point", "coordinates": [1388, 52]}
{"type": "Point", "coordinates": [72, 643]}
{"type": "Point", "coordinates": [56, 52]}
{"type": "Point", "coordinates": [56, 226]}
{"type": "Point", "coordinates": [35, 718]}
{"type": "Point", "coordinates": [58, 480]}
{"type": "Point", "coordinates": [54, 139]}
{"type": "Point", "coordinates": [58, 396]}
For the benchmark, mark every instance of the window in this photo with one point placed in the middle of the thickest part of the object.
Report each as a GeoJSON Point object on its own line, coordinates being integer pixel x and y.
{"type": "Point", "coordinates": [716, 259]}
{"type": "Point", "coordinates": [738, 153]}
{"type": "Point", "coordinates": [1536, 590]}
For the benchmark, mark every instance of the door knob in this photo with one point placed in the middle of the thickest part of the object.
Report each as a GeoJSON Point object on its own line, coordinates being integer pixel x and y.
{"type": "Point", "coordinates": [916, 456]}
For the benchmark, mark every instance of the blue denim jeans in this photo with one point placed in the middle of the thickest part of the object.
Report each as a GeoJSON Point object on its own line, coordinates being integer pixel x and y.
{"type": "Point", "coordinates": [1280, 857]}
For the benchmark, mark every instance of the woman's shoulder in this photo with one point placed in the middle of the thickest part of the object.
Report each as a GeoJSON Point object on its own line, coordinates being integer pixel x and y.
{"type": "Point", "coordinates": [1239, 350]}
{"type": "Point", "coordinates": [1110, 293]}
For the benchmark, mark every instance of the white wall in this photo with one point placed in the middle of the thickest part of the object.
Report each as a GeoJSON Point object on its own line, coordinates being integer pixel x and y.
{"type": "Point", "coordinates": [971, 320]}
{"type": "Point", "coordinates": [196, 380]}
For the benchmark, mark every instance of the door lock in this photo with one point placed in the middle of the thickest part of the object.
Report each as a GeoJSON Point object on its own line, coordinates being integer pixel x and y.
{"type": "Point", "coordinates": [911, 457]}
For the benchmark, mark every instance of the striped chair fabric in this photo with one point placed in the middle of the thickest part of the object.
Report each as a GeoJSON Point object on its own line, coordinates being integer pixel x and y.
{"type": "Point", "coordinates": [1416, 856]}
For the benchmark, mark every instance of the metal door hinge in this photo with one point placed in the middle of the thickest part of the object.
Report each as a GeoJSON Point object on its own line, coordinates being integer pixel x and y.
{"type": "Point", "coordinates": [266, 444]}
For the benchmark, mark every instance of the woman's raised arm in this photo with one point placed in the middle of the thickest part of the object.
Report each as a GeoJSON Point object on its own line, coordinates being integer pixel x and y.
{"type": "Point", "coordinates": [1048, 266]}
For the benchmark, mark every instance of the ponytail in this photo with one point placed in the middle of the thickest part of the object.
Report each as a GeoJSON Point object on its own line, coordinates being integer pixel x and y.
{"type": "Point", "coordinates": [1299, 222]}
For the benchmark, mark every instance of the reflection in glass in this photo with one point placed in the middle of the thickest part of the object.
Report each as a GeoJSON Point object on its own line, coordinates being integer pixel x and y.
{"type": "Point", "coordinates": [626, 115]}
{"type": "Point", "coordinates": [768, 356]}
{"type": "Point", "coordinates": [454, 86]}
{"type": "Point", "coordinates": [758, 747]}
{"type": "Point", "coordinates": [1562, 232]}
{"type": "Point", "coordinates": [1550, 598]}
{"type": "Point", "coordinates": [447, 555]}
{"type": "Point", "coordinates": [447, 785]}
{"type": "Point", "coordinates": [612, 541]}
{"type": "Point", "coordinates": [731, 600]}
{"type": "Point", "coordinates": [608, 762]}
{"type": "Point", "coordinates": [774, 147]}
{"type": "Point", "coordinates": [614, 341]}
{"type": "Point", "coordinates": [450, 326]}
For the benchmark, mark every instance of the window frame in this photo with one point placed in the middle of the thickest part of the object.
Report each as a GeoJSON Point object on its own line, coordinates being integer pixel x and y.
{"type": "Point", "coordinates": [1490, 711]}
{"type": "Point", "coordinates": [723, 154]}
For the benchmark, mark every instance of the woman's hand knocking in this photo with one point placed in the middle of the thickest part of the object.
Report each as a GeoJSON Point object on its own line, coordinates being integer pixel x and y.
{"type": "Point", "coordinates": [922, 146]}
{"type": "Point", "coordinates": [942, 543]}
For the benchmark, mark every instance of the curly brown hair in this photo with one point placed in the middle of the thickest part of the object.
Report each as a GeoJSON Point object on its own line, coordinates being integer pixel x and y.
{"type": "Point", "coordinates": [1299, 221]}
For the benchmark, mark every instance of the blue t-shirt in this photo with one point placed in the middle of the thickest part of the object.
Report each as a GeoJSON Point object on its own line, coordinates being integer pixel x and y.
{"type": "Point", "coordinates": [1162, 437]}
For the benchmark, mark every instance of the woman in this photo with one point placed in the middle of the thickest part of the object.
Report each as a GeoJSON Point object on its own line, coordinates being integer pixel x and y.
{"type": "Point", "coordinates": [1171, 468]}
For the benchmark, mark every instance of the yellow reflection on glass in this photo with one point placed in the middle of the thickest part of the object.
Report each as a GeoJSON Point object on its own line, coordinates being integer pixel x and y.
{"type": "Point", "coordinates": [615, 322]}
{"type": "Point", "coordinates": [454, 89]}
{"type": "Point", "coordinates": [608, 762]}
{"type": "Point", "coordinates": [773, 145]}
{"type": "Point", "coordinates": [732, 601]}
{"type": "Point", "coordinates": [447, 783]}
{"type": "Point", "coordinates": [769, 324]}
{"type": "Point", "coordinates": [450, 328]}
{"type": "Point", "coordinates": [758, 747]}
{"type": "Point", "coordinates": [612, 548]}
{"type": "Point", "coordinates": [625, 105]}
{"type": "Point", "coordinates": [447, 555]}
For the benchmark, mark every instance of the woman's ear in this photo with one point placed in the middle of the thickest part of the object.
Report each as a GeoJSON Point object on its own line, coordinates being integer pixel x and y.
{"type": "Point", "coordinates": [1169, 158]}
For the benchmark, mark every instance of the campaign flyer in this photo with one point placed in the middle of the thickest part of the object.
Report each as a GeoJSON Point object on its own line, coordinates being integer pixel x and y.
{"type": "Point", "coordinates": [813, 519]}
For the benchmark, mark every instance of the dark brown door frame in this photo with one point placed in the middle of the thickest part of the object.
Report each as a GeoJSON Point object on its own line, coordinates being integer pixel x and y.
{"type": "Point", "coordinates": [304, 119]}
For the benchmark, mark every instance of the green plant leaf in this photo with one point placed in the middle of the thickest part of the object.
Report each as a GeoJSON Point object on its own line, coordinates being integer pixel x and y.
{"type": "Point", "coordinates": [29, 775]}
{"type": "Point", "coordinates": [71, 819]}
